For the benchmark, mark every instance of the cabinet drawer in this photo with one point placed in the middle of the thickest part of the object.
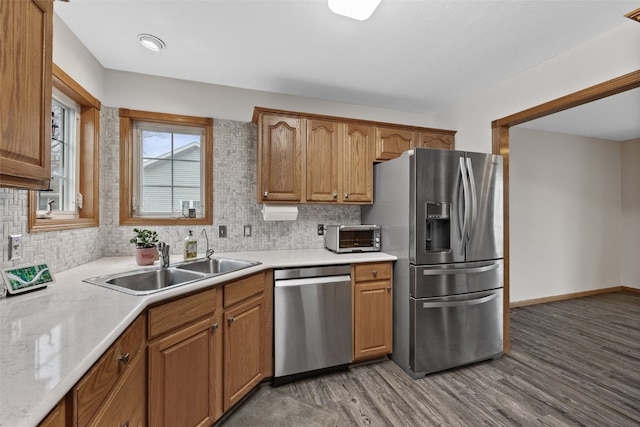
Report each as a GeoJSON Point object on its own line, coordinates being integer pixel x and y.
{"type": "Point", "coordinates": [373, 271]}
{"type": "Point", "coordinates": [126, 405]}
{"type": "Point", "coordinates": [242, 289]}
{"type": "Point", "coordinates": [94, 387]}
{"type": "Point", "coordinates": [174, 314]}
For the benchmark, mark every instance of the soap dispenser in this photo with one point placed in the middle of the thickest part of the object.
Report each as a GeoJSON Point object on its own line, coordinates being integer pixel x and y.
{"type": "Point", "coordinates": [190, 246]}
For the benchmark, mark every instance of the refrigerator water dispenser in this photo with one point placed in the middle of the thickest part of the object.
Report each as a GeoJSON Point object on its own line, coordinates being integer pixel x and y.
{"type": "Point", "coordinates": [438, 227]}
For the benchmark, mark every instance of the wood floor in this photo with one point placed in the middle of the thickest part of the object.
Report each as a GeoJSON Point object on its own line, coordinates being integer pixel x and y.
{"type": "Point", "coordinates": [572, 363]}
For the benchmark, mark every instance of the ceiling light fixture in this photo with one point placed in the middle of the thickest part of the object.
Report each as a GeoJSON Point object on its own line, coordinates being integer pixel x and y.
{"type": "Point", "coordinates": [151, 42]}
{"type": "Point", "coordinates": [354, 9]}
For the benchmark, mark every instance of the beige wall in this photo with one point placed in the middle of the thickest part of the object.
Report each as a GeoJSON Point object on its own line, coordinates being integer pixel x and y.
{"type": "Point", "coordinates": [630, 222]}
{"type": "Point", "coordinates": [565, 214]}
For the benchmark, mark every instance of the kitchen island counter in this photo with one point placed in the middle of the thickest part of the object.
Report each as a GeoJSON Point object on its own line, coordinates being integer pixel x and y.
{"type": "Point", "coordinates": [50, 338]}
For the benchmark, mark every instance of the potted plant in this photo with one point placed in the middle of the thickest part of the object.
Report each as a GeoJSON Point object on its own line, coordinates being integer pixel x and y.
{"type": "Point", "coordinates": [145, 241]}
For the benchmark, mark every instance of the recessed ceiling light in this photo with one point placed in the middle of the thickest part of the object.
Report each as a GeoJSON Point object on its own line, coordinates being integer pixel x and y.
{"type": "Point", "coordinates": [634, 14]}
{"type": "Point", "coordinates": [151, 42]}
{"type": "Point", "coordinates": [355, 9]}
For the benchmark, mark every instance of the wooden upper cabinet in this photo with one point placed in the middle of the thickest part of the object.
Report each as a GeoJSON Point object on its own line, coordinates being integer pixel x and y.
{"type": "Point", "coordinates": [357, 164]}
{"type": "Point", "coordinates": [280, 158]}
{"type": "Point", "coordinates": [322, 160]}
{"type": "Point", "coordinates": [444, 141]}
{"type": "Point", "coordinates": [391, 142]}
{"type": "Point", "coordinates": [25, 85]}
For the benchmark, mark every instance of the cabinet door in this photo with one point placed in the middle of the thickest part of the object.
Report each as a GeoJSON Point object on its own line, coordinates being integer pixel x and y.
{"type": "Point", "coordinates": [182, 377]}
{"type": "Point", "coordinates": [322, 161]}
{"type": "Point", "coordinates": [436, 140]}
{"type": "Point", "coordinates": [243, 349]}
{"type": "Point", "coordinates": [126, 406]}
{"type": "Point", "coordinates": [372, 319]}
{"type": "Point", "coordinates": [280, 158]}
{"type": "Point", "coordinates": [390, 143]}
{"type": "Point", "coordinates": [25, 85]}
{"type": "Point", "coordinates": [357, 164]}
{"type": "Point", "coordinates": [57, 417]}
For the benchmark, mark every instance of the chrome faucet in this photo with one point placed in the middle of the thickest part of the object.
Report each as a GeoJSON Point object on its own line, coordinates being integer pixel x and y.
{"type": "Point", "coordinates": [164, 254]}
{"type": "Point", "coordinates": [209, 251]}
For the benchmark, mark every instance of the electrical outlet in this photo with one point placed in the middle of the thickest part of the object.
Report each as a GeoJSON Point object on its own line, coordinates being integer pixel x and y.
{"type": "Point", "coordinates": [320, 229]}
{"type": "Point", "coordinates": [15, 246]}
{"type": "Point", "coordinates": [222, 231]}
{"type": "Point", "coordinates": [247, 231]}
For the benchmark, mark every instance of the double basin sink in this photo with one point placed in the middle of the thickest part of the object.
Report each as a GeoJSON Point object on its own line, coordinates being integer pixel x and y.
{"type": "Point", "coordinates": [143, 282]}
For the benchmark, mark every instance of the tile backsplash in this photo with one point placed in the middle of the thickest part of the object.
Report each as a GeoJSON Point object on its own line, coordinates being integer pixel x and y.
{"type": "Point", "coordinates": [234, 206]}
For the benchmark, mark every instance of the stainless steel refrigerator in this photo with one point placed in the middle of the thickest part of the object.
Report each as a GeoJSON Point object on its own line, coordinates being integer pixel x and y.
{"type": "Point", "coordinates": [440, 213]}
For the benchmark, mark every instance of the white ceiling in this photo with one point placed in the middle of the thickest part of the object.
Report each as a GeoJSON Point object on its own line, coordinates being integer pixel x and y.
{"type": "Point", "coordinates": [417, 56]}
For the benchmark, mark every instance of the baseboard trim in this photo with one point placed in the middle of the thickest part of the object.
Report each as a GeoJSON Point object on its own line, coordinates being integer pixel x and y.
{"type": "Point", "coordinates": [524, 303]}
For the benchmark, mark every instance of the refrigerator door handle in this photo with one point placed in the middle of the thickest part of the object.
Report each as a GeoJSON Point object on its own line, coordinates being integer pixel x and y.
{"type": "Point", "coordinates": [466, 206]}
{"type": "Point", "coordinates": [468, 270]}
{"type": "Point", "coordinates": [474, 198]}
{"type": "Point", "coordinates": [445, 304]}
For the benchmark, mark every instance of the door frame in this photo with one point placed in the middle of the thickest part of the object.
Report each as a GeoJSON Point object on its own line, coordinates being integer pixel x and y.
{"type": "Point", "coordinates": [500, 145]}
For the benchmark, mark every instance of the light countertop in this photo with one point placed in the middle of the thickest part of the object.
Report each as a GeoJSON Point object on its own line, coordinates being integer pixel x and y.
{"type": "Point", "coordinates": [50, 338]}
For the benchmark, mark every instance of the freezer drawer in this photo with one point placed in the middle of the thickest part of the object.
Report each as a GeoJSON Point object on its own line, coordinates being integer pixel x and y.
{"type": "Point", "coordinates": [451, 279]}
{"type": "Point", "coordinates": [451, 331]}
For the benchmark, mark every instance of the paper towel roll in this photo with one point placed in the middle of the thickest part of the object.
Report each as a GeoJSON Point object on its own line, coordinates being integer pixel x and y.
{"type": "Point", "coordinates": [279, 212]}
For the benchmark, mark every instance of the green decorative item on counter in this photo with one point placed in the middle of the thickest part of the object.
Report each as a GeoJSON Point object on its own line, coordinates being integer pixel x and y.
{"type": "Point", "coordinates": [144, 238]}
{"type": "Point", "coordinates": [25, 279]}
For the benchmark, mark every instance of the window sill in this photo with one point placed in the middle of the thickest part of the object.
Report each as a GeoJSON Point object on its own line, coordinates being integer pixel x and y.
{"type": "Point", "coordinates": [139, 220]}
{"type": "Point", "coordinates": [54, 224]}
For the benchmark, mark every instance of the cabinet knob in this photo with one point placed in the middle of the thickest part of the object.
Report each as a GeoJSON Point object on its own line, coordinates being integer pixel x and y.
{"type": "Point", "coordinates": [265, 194]}
{"type": "Point", "coordinates": [335, 195]}
{"type": "Point", "coordinates": [346, 195]}
{"type": "Point", "coordinates": [375, 273]}
{"type": "Point", "coordinates": [389, 289]}
{"type": "Point", "coordinates": [230, 319]}
{"type": "Point", "coordinates": [126, 424]}
{"type": "Point", "coordinates": [215, 326]}
{"type": "Point", "coordinates": [124, 358]}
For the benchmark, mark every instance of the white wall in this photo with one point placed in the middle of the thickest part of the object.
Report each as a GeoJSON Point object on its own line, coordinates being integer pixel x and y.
{"type": "Point", "coordinates": [565, 212]}
{"type": "Point", "coordinates": [630, 223]}
{"type": "Point", "coordinates": [74, 59]}
{"type": "Point", "coordinates": [612, 54]}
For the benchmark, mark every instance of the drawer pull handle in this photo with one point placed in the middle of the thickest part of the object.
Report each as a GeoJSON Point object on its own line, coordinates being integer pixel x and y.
{"type": "Point", "coordinates": [230, 319]}
{"type": "Point", "coordinates": [215, 326]}
{"type": "Point", "coordinates": [124, 358]}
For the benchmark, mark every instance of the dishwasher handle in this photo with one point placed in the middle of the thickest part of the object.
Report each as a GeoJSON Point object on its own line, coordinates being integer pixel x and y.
{"type": "Point", "coordinates": [313, 281]}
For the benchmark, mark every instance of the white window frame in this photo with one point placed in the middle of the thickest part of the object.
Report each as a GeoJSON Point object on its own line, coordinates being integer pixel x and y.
{"type": "Point", "coordinates": [71, 159]}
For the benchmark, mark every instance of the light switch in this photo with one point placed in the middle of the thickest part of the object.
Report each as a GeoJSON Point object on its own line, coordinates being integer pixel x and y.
{"type": "Point", "coordinates": [15, 246]}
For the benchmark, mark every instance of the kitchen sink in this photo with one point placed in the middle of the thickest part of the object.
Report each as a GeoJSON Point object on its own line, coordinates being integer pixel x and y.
{"type": "Point", "coordinates": [147, 281]}
{"type": "Point", "coordinates": [216, 266]}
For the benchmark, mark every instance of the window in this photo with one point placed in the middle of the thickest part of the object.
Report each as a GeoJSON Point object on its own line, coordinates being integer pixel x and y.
{"type": "Point", "coordinates": [60, 200]}
{"type": "Point", "coordinates": [72, 198]}
{"type": "Point", "coordinates": [166, 169]}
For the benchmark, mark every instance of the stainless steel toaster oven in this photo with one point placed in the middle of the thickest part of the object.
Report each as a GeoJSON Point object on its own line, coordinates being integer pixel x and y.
{"type": "Point", "coordinates": [352, 238]}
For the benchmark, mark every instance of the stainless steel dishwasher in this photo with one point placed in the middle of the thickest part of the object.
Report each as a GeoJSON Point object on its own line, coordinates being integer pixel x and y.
{"type": "Point", "coordinates": [312, 325]}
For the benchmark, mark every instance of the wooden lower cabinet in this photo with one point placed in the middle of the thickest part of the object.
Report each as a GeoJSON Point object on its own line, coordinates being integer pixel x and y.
{"type": "Point", "coordinates": [57, 417]}
{"type": "Point", "coordinates": [372, 310]}
{"type": "Point", "coordinates": [243, 349]}
{"type": "Point", "coordinates": [183, 373]}
{"type": "Point", "coordinates": [127, 404]}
